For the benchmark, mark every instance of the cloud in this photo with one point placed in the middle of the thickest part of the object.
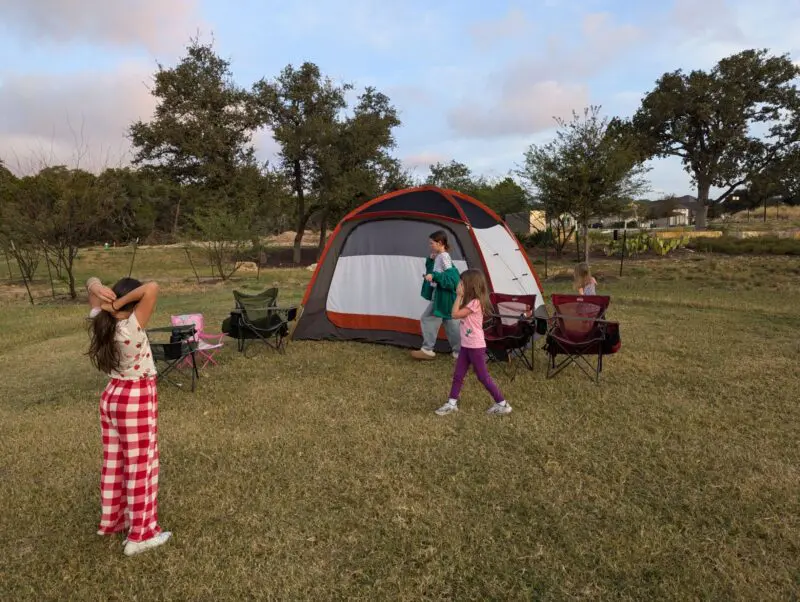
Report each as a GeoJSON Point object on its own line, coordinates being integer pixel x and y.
{"type": "Point", "coordinates": [710, 19]}
{"type": "Point", "coordinates": [487, 33]}
{"type": "Point", "coordinates": [413, 95]}
{"type": "Point", "coordinates": [76, 119]}
{"type": "Point", "coordinates": [154, 24]}
{"type": "Point", "coordinates": [523, 108]}
{"type": "Point", "coordinates": [81, 119]}
{"type": "Point", "coordinates": [534, 89]}
{"type": "Point", "coordinates": [424, 160]}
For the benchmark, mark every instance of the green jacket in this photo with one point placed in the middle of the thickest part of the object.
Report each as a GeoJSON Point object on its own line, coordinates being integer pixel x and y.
{"type": "Point", "coordinates": [444, 295]}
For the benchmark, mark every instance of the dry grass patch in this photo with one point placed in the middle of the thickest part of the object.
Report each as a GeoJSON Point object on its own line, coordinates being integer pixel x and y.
{"type": "Point", "coordinates": [324, 474]}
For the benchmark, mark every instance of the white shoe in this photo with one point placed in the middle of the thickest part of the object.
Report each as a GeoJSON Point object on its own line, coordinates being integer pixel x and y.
{"type": "Point", "coordinates": [137, 547]}
{"type": "Point", "coordinates": [499, 409]}
{"type": "Point", "coordinates": [455, 355]}
{"type": "Point", "coordinates": [447, 408]}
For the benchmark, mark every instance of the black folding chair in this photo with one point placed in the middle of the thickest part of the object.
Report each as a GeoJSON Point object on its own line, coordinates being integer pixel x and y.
{"type": "Point", "coordinates": [259, 319]}
{"type": "Point", "coordinates": [171, 356]}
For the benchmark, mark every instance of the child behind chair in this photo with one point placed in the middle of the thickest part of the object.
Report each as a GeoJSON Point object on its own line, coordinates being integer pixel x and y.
{"type": "Point", "coordinates": [583, 281]}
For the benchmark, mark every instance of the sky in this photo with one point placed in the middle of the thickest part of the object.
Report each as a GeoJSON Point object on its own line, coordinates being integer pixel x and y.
{"type": "Point", "coordinates": [474, 81]}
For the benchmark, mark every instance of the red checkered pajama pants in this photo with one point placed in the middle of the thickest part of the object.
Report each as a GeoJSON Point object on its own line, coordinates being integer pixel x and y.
{"type": "Point", "coordinates": [129, 479]}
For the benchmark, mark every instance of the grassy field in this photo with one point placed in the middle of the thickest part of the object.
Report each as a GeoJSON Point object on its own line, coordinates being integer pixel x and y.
{"type": "Point", "coordinates": [324, 474]}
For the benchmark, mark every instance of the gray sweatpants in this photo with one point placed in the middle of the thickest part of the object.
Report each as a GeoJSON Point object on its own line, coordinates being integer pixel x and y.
{"type": "Point", "coordinates": [430, 330]}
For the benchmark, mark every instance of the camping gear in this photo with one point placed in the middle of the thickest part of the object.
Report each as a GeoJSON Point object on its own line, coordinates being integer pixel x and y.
{"type": "Point", "coordinates": [580, 332]}
{"type": "Point", "coordinates": [208, 344]}
{"type": "Point", "coordinates": [366, 286]}
{"type": "Point", "coordinates": [509, 329]}
{"type": "Point", "coordinates": [257, 317]}
{"type": "Point", "coordinates": [171, 358]}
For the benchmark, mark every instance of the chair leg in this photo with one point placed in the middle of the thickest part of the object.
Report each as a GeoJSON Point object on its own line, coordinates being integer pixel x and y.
{"type": "Point", "coordinates": [195, 372]}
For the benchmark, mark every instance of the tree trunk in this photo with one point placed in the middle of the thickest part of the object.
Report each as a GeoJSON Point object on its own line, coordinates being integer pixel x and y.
{"type": "Point", "coordinates": [765, 211]}
{"type": "Point", "coordinates": [302, 218]}
{"type": "Point", "coordinates": [72, 252]}
{"type": "Point", "coordinates": [586, 243]}
{"type": "Point", "coordinates": [177, 214]}
{"type": "Point", "coordinates": [703, 188]}
{"type": "Point", "coordinates": [577, 242]}
{"type": "Point", "coordinates": [323, 233]}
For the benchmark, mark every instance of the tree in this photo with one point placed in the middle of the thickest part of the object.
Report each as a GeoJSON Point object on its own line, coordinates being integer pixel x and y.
{"type": "Point", "coordinates": [353, 163]}
{"type": "Point", "coordinates": [712, 120]}
{"type": "Point", "coordinates": [61, 209]}
{"type": "Point", "coordinates": [453, 175]}
{"type": "Point", "coordinates": [224, 234]}
{"type": "Point", "coordinates": [301, 108]}
{"type": "Point", "coordinates": [503, 196]}
{"type": "Point", "coordinates": [589, 170]}
{"type": "Point", "coordinates": [333, 160]}
{"type": "Point", "coordinates": [202, 127]}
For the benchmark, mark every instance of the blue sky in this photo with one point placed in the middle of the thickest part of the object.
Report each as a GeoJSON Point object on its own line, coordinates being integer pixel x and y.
{"type": "Point", "coordinates": [474, 81]}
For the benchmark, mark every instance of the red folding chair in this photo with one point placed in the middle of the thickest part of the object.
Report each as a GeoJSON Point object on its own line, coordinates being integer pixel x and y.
{"type": "Point", "coordinates": [509, 329]}
{"type": "Point", "coordinates": [580, 332]}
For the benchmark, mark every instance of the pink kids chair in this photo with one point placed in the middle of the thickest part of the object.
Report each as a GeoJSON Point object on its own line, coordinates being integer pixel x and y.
{"type": "Point", "coordinates": [207, 344]}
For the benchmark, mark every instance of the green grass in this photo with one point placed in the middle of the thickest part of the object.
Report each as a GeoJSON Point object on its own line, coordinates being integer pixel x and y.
{"type": "Point", "coordinates": [324, 474]}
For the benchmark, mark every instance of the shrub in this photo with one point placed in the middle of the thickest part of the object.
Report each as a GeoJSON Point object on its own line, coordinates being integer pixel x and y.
{"type": "Point", "coordinates": [642, 242]}
{"type": "Point", "coordinates": [536, 239]}
{"type": "Point", "coordinates": [762, 245]}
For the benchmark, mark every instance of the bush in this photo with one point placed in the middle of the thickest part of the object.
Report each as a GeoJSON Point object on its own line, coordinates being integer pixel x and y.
{"type": "Point", "coordinates": [762, 245]}
{"type": "Point", "coordinates": [642, 242]}
{"type": "Point", "coordinates": [536, 239]}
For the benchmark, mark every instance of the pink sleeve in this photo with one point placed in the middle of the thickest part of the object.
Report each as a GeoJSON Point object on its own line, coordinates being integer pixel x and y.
{"type": "Point", "coordinates": [474, 306]}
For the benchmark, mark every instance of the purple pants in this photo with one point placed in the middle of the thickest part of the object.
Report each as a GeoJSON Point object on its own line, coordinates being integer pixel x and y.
{"type": "Point", "coordinates": [477, 359]}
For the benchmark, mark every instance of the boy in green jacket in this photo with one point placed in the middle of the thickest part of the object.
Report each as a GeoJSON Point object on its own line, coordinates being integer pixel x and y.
{"type": "Point", "coordinates": [439, 287]}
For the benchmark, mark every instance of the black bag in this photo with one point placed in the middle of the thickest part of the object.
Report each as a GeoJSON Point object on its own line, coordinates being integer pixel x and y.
{"type": "Point", "coordinates": [232, 324]}
{"type": "Point", "coordinates": [173, 350]}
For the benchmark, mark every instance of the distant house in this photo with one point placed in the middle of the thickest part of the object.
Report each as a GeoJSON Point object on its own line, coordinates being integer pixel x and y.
{"type": "Point", "coordinates": [526, 222]}
{"type": "Point", "coordinates": [674, 212]}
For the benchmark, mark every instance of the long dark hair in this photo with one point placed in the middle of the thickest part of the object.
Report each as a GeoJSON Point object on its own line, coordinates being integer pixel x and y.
{"type": "Point", "coordinates": [103, 351]}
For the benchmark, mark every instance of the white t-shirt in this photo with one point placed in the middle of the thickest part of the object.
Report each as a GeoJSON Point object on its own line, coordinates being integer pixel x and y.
{"type": "Point", "coordinates": [135, 355]}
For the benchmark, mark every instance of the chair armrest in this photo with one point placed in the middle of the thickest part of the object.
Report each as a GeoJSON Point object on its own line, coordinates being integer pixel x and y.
{"type": "Point", "coordinates": [211, 335]}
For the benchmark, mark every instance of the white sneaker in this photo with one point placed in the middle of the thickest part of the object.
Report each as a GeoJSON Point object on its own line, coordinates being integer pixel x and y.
{"type": "Point", "coordinates": [455, 355]}
{"type": "Point", "coordinates": [447, 408]}
{"type": "Point", "coordinates": [137, 547]}
{"type": "Point", "coordinates": [499, 409]}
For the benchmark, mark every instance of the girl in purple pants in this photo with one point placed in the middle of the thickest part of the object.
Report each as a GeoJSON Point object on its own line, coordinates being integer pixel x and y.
{"type": "Point", "coordinates": [472, 300]}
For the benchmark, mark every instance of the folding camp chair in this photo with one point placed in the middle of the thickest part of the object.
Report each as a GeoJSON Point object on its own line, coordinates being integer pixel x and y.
{"type": "Point", "coordinates": [208, 344]}
{"type": "Point", "coordinates": [180, 351]}
{"type": "Point", "coordinates": [260, 319]}
{"type": "Point", "coordinates": [579, 331]}
{"type": "Point", "coordinates": [231, 325]}
{"type": "Point", "coordinates": [508, 330]}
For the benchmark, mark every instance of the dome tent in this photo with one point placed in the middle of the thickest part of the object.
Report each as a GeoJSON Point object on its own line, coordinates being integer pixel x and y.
{"type": "Point", "coordinates": [366, 286]}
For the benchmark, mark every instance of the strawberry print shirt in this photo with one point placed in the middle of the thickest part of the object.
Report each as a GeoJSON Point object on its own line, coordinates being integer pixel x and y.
{"type": "Point", "coordinates": [135, 356]}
